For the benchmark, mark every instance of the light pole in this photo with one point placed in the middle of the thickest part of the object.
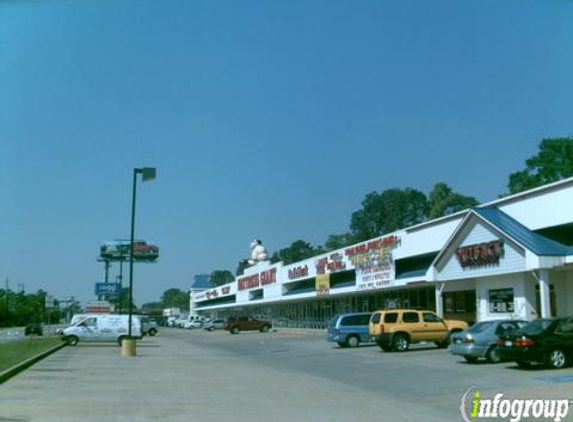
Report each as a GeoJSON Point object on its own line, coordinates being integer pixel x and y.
{"type": "Point", "coordinates": [147, 173]}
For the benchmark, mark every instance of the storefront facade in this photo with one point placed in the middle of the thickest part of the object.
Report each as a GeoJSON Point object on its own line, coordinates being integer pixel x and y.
{"type": "Point", "coordinates": [510, 258]}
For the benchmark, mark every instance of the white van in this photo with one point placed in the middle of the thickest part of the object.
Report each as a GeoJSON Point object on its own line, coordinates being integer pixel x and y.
{"type": "Point", "coordinates": [103, 327]}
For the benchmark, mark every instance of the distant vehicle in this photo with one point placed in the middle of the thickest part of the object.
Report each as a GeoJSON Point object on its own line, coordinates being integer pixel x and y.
{"type": "Point", "coordinates": [543, 341]}
{"type": "Point", "coordinates": [237, 324]}
{"type": "Point", "coordinates": [396, 329]}
{"type": "Point", "coordinates": [34, 328]}
{"type": "Point", "coordinates": [349, 330]}
{"type": "Point", "coordinates": [216, 324]}
{"type": "Point", "coordinates": [148, 326]}
{"type": "Point", "coordinates": [103, 328]}
{"type": "Point", "coordinates": [480, 340]}
{"type": "Point", "coordinates": [194, 321]}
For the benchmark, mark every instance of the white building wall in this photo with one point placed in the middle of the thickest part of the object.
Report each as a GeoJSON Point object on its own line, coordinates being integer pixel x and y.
{"type": "Point", "coordinates": [559, 201]}
{"type": "Point", "coordinates": [513, 259]}
{"type": "Point", "coordinates": [426, 238]}
{"type": "Point", "coordinates": [512, 281]}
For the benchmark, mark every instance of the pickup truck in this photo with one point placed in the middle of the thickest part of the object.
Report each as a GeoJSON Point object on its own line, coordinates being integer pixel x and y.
{"type": "Point", "coordinates": [237, 324]}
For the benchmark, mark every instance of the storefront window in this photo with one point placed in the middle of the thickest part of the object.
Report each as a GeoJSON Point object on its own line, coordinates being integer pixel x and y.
{"type": "Point", "coordinates": [501, 300]}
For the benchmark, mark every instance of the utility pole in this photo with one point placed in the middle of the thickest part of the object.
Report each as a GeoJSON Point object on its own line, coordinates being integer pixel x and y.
{"type": "Point", "coordinates": [7, 301]}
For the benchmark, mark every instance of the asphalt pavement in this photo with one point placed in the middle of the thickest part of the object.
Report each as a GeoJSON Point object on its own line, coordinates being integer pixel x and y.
{"type": "Point", "coordinates": [174, 379]}
{"type": "Point", "coordinates": [171, 381]}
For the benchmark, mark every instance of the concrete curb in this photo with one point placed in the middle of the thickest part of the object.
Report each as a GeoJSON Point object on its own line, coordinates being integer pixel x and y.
{"type": "Point", "coordinates": [16, 369]}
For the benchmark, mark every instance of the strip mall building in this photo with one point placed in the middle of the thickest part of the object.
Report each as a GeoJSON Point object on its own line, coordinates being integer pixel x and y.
{"type": "Point", "coordinates": [511, 258]}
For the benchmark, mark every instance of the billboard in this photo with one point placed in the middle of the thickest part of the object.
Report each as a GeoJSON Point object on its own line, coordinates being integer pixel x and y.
{"type": "Point", "coordinates": [119, 249]}
{"type": "Point", "coordinates": [107, 289]}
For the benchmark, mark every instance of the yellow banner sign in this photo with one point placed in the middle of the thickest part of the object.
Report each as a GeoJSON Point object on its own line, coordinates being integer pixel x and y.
{"type": "Point", "coordinates": [323, 284]}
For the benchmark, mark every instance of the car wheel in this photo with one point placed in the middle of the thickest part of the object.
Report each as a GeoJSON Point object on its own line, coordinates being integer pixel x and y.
{"type": "Point", "coordinates": [152, 332]}
{"type": "Point", "coordinates": [71, 340]}
{"type": "Point", "coordinates": [556, 359]}
{"type": "Point", "coordinates": [265, 329]}
{"type": "Point", "coordinates": [442, 344]}
{"type": "Point", "coordinates": [470, 359]}
{"type": "Point", "coordinates": [235, 330]}
{"type": "Point", "coordinates": [353, 341]}
{"type": "Point", "coordinates": [400, 343]}
{"type": "Point", "coordinates": [492, 356]}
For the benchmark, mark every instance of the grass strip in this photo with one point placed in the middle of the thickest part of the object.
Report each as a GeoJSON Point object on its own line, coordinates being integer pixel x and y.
{"type": "Point", "coordinates": [15, 352]}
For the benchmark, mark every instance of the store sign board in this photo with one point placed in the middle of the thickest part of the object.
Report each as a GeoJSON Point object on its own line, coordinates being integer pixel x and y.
{"type": "Point", "coordinates": [107, 289]}
{"type": "Point", "coordinates": [480, 255]}
{"type": "Point", "coordinates": [257, 280]}
{"type": "Point", "coordinates": [374, 263]}
{"type": "Point", "coordinates": [330, 264]}
{"type": "Point", "coordinates": [501, 301]}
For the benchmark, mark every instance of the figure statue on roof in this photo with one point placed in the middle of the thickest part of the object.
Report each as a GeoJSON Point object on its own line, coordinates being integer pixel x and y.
{"type": "Point", "coordinates": [259, 252]}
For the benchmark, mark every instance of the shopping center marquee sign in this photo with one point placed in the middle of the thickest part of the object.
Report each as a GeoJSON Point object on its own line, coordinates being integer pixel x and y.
{"type": "Point", "coordinates": [373, 262]}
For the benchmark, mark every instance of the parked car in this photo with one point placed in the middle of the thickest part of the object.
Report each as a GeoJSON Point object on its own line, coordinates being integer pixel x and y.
{"type": "Point", "coordinates": [237, 324]}
{"type": "Point", "coordinates": [544, 341]}
{"type": "Point", "coordinates": [194, 321]}
{"type": "Point", "coordinates": [148, 326]}
{"type": "Point", "coordinates": [216, 324]}
{"type": "Point", "coordinates": [349, 330]}
{"type": "Point", "coordinates": [480, 340]}
{"type": "Point", "coordinates": [396, 329]}
{"type": "Point", "coordinates": [34, 328]}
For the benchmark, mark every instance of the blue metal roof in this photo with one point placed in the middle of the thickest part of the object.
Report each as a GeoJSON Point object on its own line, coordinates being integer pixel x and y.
{"type": "Point", "coordinates": [536, 243]}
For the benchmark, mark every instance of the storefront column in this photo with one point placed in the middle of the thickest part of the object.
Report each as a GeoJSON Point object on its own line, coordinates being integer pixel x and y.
{"type": "Point", "coordinates": [544, 297]}
{"type": "Point", "coordinates": [439, 301]}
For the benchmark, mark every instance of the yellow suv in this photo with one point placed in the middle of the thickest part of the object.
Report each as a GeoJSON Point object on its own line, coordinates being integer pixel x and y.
{"type": "Point", "coordinates": [396, 329]}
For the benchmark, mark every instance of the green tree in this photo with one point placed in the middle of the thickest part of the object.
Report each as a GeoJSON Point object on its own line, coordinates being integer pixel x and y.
{"type": "Point", "coordinates": [443, 201]}
{"type": "Point", "coordinates": [553, 162]}
{"type": "Point", "coordinates": [299, 250]}
{"type": "Point", "coordinates": [175, 298]}
{"type": "Point", "coordinates": [220, 277]}
{"type": "Point", "coordinates": [121, 301]}
{"type": "Point", "coordinates": [152, 306]}
{"type": "Point", "coordinates": [388, 211]}
{"type": "Point", "coordinates": [338, 241]}
{"type": "Point", "coordinates": [243, 264]}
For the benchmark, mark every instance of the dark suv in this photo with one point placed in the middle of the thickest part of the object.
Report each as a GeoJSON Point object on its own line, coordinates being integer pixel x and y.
{"type": "Point", "coordinates": [237, 324]}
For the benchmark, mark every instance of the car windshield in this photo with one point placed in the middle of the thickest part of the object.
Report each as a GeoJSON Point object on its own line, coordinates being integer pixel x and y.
{"type": "Point", "coordinates": [537, 326]}
{"type": "Point", "coordinates": [480, 327]}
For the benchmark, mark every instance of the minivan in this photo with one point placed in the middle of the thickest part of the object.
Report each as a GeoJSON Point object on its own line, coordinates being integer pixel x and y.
{"type": "Point", "coordinates": [349, 330]}
{"type": "Point", "coordinates": [104, 327]}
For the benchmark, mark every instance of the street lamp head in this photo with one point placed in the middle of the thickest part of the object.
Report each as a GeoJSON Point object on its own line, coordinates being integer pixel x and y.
{"type": "Point", "coordinates": [148, 173]}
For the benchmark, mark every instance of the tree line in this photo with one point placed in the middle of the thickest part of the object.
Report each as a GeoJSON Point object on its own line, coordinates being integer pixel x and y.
{"type": "Point", "coordinates": [395, 208]}
{"type": "Point", "coordinates": [21, 308]}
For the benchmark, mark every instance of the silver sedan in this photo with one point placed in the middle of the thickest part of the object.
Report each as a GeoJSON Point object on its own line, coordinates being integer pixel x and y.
{"type": "Point", "coordinates": [480, 340]}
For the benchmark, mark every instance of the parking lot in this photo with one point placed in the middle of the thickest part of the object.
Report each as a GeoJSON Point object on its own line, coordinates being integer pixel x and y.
{"type": "Point", "coordinates": [280, 376]}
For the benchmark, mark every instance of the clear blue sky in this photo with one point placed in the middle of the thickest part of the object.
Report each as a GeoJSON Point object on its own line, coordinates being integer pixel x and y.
{"type": "Point", "coordinates": [264, 119]}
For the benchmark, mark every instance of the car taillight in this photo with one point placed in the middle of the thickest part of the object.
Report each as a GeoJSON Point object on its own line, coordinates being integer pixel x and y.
{"type": "Point", "coordinates": [523, 342]}
{"type": "Point", "coordinates": [501, 342]}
